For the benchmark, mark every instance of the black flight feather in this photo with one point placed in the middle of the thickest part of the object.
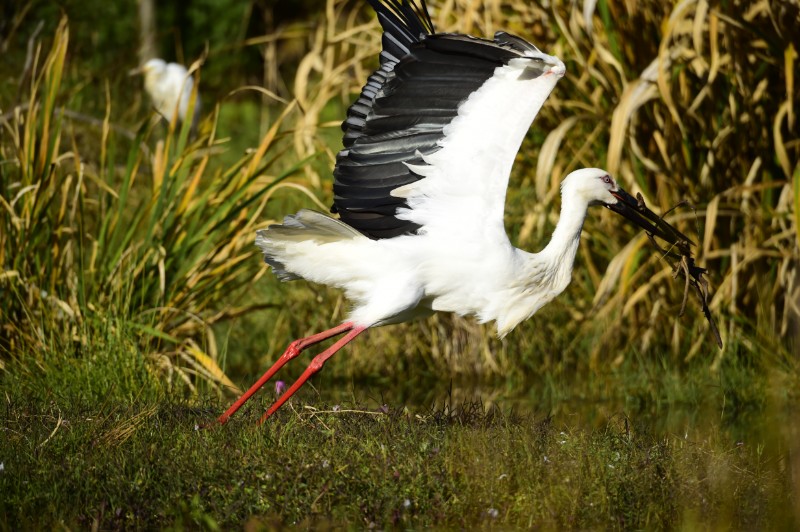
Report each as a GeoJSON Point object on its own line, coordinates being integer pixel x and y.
{"type": "Point", "coordinates": [423, 79]}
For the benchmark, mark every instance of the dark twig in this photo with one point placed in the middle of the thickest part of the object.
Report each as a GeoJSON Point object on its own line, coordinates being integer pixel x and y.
{"type": "Point", "coordinates": [682, 263]}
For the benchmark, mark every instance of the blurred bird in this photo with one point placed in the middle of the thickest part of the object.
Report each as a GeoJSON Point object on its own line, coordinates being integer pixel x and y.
{"type": "Point", "coordinates": [169, 86]}
{"type": "Point", "coordinates": [420, 190]}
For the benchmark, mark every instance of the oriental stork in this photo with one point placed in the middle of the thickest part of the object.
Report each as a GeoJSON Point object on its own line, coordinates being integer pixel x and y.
{"type": "Point", "coordinates": [420, 188]}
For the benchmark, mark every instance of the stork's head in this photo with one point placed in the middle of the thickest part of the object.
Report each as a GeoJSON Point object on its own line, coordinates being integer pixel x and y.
{"type": "Point", "coordinates": [592, 185]}
{"type": "Point", "coordinates": [596, 187]}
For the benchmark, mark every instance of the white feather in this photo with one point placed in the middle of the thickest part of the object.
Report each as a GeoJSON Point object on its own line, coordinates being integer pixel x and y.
{"type": "Point", "coordinates": [469, 175]}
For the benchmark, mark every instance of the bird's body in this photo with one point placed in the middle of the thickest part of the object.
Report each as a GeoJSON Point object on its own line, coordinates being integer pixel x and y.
{"type": "Point", "coordinates": [461, 260]}
{"type": "Point", "coordinates": [420, 190]}
{"type": "Point", "coordinates": [397, 279]}
{"type": "Point", "coordinates": [170, 86]}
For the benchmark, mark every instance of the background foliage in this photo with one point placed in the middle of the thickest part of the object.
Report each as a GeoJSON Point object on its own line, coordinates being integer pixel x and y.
{"type": "Point", "coordinates": [687, 101]}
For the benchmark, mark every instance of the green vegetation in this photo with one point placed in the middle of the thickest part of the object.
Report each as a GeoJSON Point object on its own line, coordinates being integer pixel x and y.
{"type": "Point", "coordinates": [125, 454]}
{"type": "Point", "coordinates": [131, 298]}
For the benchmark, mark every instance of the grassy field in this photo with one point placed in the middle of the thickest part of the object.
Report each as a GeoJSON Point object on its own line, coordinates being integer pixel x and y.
{"type": "Point", "coordinates": [133, 304]}
{"type": "Point", "coordinates": [86, 445]}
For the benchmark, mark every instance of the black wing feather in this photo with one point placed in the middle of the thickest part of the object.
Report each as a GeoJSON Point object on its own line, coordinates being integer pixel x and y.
{"type": "Point", "coordinates": [423, 79]}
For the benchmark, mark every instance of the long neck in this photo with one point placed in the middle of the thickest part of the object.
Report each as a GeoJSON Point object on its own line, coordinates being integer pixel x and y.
{"type": "Point", "coordinates": [543, 275]}
{"type": "Point", "coordinates": [560, 251]}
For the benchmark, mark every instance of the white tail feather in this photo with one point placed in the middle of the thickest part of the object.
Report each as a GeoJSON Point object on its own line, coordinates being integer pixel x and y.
{"type": "Point", "coordinates": [305, 226]}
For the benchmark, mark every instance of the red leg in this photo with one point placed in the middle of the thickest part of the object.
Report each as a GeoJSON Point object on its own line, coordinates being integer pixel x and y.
{"type": "Point", "coordinates": [312, 368]}
{"type": "Point", "coordinates": [294, 349]}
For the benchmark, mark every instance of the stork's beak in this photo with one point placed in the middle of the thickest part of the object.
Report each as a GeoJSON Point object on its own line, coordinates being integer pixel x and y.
{"type": "Point", "coordinates": [637, 212]}
{"type": "Point", "coordinates": [136, 71]}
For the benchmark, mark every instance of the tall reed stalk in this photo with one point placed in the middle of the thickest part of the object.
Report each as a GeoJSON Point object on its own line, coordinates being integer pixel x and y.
{"type": "Point", "coordinates": [157, 241]}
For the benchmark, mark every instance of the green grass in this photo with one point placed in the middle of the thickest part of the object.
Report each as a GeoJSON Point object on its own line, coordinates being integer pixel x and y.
{"type": "Point", "coordinates": [144, 465]}
{"type": "Point", "coordinates": [94, 439]}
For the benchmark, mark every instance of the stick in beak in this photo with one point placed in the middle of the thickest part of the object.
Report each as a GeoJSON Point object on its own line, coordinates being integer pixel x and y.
{"type": "Point", "coordinates": [635, 210]}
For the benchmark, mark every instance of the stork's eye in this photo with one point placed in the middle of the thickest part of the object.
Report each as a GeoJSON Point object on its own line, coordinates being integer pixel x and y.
{"type": "Point", "coordinates": [607, 179]}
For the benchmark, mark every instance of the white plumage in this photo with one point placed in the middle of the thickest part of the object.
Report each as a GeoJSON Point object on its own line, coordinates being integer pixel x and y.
{"type": "Point", "coordinates": [421, 187]}
{"type": "Point", "coordinates": [169, 86]}
{"type": "Point", "coordinates": [449, 269]}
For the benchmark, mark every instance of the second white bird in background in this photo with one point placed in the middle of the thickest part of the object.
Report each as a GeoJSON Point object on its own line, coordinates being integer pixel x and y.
{"type": "Point", "coordinates": [170, 86]}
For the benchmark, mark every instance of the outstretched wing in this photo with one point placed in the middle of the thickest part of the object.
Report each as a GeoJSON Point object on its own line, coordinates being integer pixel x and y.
{"type": "Point", "coordinates": [436, 128]}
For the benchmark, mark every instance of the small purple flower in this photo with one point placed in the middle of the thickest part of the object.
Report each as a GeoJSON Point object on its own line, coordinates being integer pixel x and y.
{"type": "Point", "coordinates": [384, 409]}
{"type": "Point", "coordinates": [280, 387]}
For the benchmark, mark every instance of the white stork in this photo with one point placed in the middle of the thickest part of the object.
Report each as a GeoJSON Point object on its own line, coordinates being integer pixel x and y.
{"type": "Point", "coordinates": [420, 189]}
